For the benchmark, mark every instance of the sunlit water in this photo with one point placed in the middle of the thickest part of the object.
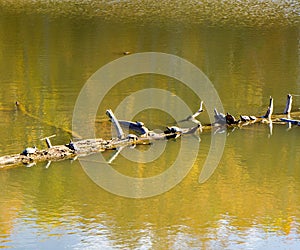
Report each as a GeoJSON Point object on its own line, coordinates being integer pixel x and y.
{"type": "Point", "coordinates": [251, 200]}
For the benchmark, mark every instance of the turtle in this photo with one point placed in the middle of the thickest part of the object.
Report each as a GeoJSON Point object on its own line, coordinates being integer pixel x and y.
{"type": "Point", "coordinates": [132, 137]}
{"type": "Point", "coordinates": [230, 119]}
{"type": "Point", "coordinates": [139, 124]}
{"type": "Point", "coordinates": [245, 118]}
{"type": "Point", "coordinates": [143, 128]}
{"type": "Point", "coordinates": [71, 146]}
{"type": "Point", "coordinates": [174, 129]}
{"type": "Point", "coordinates": [28, 151]}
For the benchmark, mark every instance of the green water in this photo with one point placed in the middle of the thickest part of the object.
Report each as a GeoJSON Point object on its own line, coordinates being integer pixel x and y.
{"type": "Point", "coordinates": [251, 201]}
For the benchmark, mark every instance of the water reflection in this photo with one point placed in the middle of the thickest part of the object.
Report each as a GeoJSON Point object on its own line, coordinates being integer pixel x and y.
{"type": "Point", "coordinates": [251, 200]}
{"type": "Point", "coordinates": [242, 203]}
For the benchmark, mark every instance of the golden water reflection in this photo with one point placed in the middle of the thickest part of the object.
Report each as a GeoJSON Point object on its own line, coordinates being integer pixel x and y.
{"type": "Point", "coordinates": [250, 201]}
{"type": "Point", "coordinates": [243, 199]}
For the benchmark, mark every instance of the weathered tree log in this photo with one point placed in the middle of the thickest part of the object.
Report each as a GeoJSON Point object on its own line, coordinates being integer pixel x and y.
{"type": "Point", "coordinates": [145, 136]}
{"type": "Point", "coordinates": [87, 146]}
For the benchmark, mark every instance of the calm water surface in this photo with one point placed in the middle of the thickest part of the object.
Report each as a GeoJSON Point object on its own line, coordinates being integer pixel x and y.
{"type": "Point", "coordinates": [250, 202]}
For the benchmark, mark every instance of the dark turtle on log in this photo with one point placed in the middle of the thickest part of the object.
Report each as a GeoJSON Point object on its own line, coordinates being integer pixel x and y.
{"type": "Point", "coordinates": [142, 126]}
{"type": "Point", "coordinates": [71, 146]}
{"type": "Point", "coordinates": [138, 127]}
{"type": "Point", "coordinates": [28, 151]}
{"type": "Point", "coordinates": [173, 129]}
{"type": "Point", "coordinates": [132, 137]}
{"type": "Point", "coordinates": [245, 118]}
{"type": "Point", "coordinates": [230, 119]}
{"type": "Point", "coordinates": [173, 132]}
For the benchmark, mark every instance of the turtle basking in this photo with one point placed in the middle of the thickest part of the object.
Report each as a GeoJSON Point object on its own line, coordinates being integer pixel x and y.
{"type": "Point", "coordinates": [230, 119]}
{"type": "Point", "coordinates": [132, 137]}
{"type": "Point", "coordinates": [71, 145]}
{"type": "Point", "coordinates": [245, 118]}
{"type": "Point", "coordinates": [143, 128]}
{"type": "Point", "coordinates": [174, 131]}
{"type": "Point", "coordinates": [28, 151]}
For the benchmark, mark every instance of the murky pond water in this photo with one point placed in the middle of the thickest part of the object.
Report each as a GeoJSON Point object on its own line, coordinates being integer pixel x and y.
{"type": "Point", "coordinates": [251, 200]}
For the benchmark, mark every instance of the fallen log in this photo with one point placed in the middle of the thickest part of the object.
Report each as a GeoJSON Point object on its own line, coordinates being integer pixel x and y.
{"type": "Point", "coordinates": [55, 153]}
{"type": "Point", "coordinates": [145, 136]}
{"type": "Point", "coordinates": [88, 146]}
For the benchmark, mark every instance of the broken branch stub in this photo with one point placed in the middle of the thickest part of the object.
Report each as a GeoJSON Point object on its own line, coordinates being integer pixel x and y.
{"type": "Point", "coordinates": [120, 133]}
{"type": "Point", "coordinates": [270, 110]}
{"type": "Point", "coordinates": [288, 106]}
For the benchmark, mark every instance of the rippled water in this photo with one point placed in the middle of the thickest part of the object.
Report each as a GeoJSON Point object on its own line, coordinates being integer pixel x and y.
{"type": "Point", "coordinates": [250, 13]}
{"type": "Point", "coordinates": [251, 201]}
